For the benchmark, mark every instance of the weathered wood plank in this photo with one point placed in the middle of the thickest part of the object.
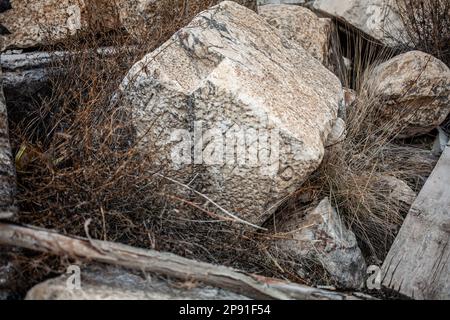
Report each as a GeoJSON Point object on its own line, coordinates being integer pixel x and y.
{"type": "Point", "coordinates": [418, 264]}
{"type": "Point", "coordinates": [250, 285]}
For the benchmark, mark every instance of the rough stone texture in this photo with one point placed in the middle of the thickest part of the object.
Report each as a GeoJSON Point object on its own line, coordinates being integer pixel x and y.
{"type": "Point", "coordinates": [264, 2]}
{"type": "Point", "coordinates": [39, 22]}
{"type": "Point", "coordinates": [301, 25]}
{"type": "Point", "coordinates": [10, 273]}
{"type": "Point", "coordinates": [440, 142]}
{"type": "Point", "coordinates": [321, 236]}
{"type": "Point", "coordinates": [232, 72]}
{"type": "Point", "coordinates": [377, 18]}
{"type": "Point", "coordinates": [414, 92]}
{"type": "Point", "coordinates": [7, 208]}
{"type": "Point", "coordinates": [399, 190]}
{"type": "Point", "coordinates": [6, 277]}
{"type": "Point", "coordinates": [338, 133]}
{"type": "Point", "coordinates": [7, 170]}
{"type": "Point", "coordinates": [251, 4]}
{"type": "Point", "coordinates": [144, 18]}
{"type": "Point", "coordinates": [35, 22]}
{"type": "Point", "coordinates": [109, 283]}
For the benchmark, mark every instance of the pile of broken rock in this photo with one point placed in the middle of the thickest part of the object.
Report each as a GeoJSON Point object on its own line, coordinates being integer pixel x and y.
{"type": "Point", "coordinates": [234, 68]}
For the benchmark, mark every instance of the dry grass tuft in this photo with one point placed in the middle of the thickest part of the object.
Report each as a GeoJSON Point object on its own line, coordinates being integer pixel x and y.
{"type": "Point", "coordinates": [427, 26]}
{"type": "Point", "coordinates": [350, 177]}
{"type": "Point", "coordinates": [350, 173]}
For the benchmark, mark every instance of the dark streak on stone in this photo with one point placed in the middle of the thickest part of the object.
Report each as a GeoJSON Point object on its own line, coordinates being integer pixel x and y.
{"type": "Point", "coordinates": [5, 5]}
{"type": "Point", "coordinates": [4, 30]}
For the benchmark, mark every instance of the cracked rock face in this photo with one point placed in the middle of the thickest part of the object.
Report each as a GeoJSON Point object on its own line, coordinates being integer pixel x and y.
{"type": "Point", "coordinates": [257, 107]}
{"type": "Point", "coordinates": [28, 23]}
{"type": "Point", "coordinates": [144, 18]}
{"type": "Point", "coordinates": [414, 92]}
{"type": "Point", "coordinates": [301, 25]}
{"type": "Point", "coordinates": [33, 22]}
{"type": "Point", "coordinates": [377, 18]}
{"type": "Point", "coordinates": [321, 236]}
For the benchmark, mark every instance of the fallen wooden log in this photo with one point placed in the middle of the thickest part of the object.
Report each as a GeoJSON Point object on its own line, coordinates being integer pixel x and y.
{"type": "Point", "coordinates": [28, 60]}
{"type": "Point", "coordinates": [250, 285]}
{"type": "Point", "coordinates": [418, 264]}
{"type": "Point", "coordinates": [42, 59]}
{"type": "Point", "coordinates": [27, 77]}
{"type": "Point", "coordinates": [106, 282]}
{"type": "Point", "coordinates": [32, 68]}
{"type": "Point", "coordinates": [26, 71]}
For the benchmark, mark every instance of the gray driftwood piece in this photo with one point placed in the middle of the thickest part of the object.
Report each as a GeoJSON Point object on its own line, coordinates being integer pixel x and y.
{"type": "Point", "coordinates": [250, 285]}
{"type": "Point", "coordinates": [25, 72]}
{"type": "Point", "coordinates": [418, 264]}
{"type": "Point", "coordinates": [100, 282]}
{"type": "Point", "coordinates": [32, 68]}
{"type": "Point", "coordinates": [7, 170]}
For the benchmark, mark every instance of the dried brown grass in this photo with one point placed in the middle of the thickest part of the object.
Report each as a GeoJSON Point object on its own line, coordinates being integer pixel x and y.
{"type": "Point", "coordinates": [350, 173]}
{"type": "Point", "coordinates": [426, 26]}
{"type": "Point", "coordinates": [80, 163]}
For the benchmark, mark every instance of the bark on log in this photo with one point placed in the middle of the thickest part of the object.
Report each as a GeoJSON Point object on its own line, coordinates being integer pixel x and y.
{"type": "Point", "coordinates": [168, 264]}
